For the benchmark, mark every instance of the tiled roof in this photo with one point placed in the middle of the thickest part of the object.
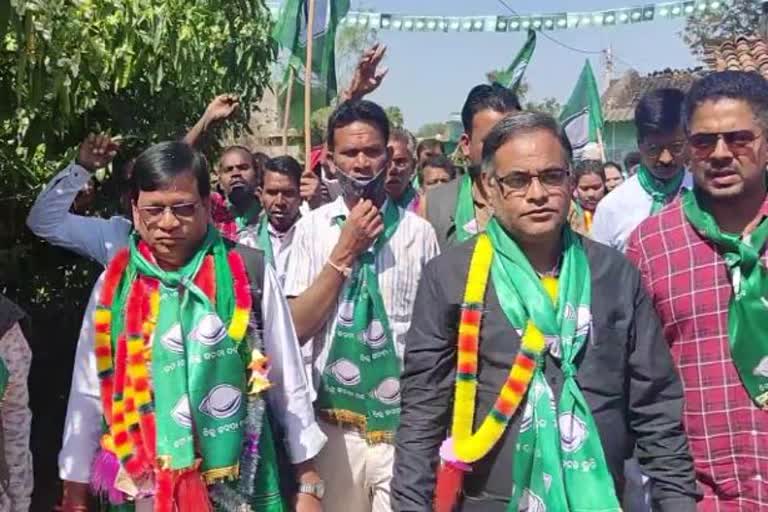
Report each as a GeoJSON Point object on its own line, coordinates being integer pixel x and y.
{"type": "Point", "coordinates": [742, 53]}
{"type": "Point", "coordinates": [623, 94]}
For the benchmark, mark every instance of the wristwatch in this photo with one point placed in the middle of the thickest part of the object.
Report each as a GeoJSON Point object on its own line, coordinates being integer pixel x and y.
{"type": "Point", "coordinates": [317, 489]}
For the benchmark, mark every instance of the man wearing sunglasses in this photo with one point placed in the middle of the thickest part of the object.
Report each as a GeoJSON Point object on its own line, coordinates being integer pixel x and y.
{"type": "Point", "coordinates": [703, 261]}
{"type": "Point", "coordinates": [170, 392]}
{"type": "Point", "coordinates": [660, 176]}
{"type": "Point", "coordinates": [525, 351]}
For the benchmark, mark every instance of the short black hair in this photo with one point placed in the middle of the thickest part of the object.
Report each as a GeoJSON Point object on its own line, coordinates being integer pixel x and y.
{"type": "Point", "coordinates": [518, 124]}
{"type": "Point", "coordinates": [440, 161]}
{"type": "Point", "coordinates": [493, 97]}
{"type": "Point", "coordinates": [659, 112]}
{"type": "Point", "coordinates": [352, 111]}
{"type": "Point", "coordinates": [632, 159]}
{"type": "Point", "coordinates": [586, 167]}
{"type": "Point", "coordinates": [161, 163]}
{"type": "Point", "coordinates": [613, 164]}
{"type": "Point", "coordinates": [260, 159]}
{"type": "Point", "coordinates": [747, 86]}
{"type": "Point", "coordinates": [285, 165]}
{"type": "Point", "coordinates": [429, 144]}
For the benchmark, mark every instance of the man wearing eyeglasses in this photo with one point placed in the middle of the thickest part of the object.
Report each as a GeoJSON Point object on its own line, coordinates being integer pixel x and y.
{"type": "Point", "coordinates": [525, 351]}
{"type": "Point", "coordinates": [703, 261]}
{"type": "Point", "coordinates": [660, 176]}
{"type": "Point", "coordinates": [171, 395]}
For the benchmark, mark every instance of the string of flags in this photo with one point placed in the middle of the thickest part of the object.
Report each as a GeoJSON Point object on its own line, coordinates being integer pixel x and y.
{"type": "Point", "coordinates": [551, 21]}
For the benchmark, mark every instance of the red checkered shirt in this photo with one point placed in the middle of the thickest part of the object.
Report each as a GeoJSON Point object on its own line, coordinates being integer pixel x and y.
{"type": "Point", "coordinates": [689, 284]}
{"type": "Point", "coordinates": [222, 217]}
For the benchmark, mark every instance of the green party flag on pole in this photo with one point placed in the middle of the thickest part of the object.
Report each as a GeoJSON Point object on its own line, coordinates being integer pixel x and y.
{"type": "Point", "coordinates": [513, 75]}
{"type": "Point", "coordinates": [582, 116]}
{"type": "Point", "coordinates": [290, 32]}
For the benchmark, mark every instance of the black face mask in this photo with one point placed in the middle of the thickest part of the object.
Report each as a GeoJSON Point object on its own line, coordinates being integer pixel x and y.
{"type": "Point", "coordinates": [241, 197]}
{"type": "Point", "coordinates": [354, 189]}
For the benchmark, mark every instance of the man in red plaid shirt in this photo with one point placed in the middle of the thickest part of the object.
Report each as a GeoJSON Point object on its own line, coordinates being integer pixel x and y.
{"type": "Point", "coordinates": [703, 261]}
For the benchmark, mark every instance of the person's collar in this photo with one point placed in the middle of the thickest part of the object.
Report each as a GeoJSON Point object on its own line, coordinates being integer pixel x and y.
{"type": "Point", "coordinates": [281, 234]}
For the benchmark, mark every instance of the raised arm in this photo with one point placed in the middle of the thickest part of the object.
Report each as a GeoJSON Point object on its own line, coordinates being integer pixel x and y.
{"type": "Point", "coordinates": [51, 220]}
{"type": "Point", "coordinates": [220, 108]}
{"type": "Point", "coordinates": [368, 76]}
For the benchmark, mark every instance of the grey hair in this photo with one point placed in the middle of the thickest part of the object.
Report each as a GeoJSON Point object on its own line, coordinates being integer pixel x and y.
{"type": "Point", "coordinates": [519, 123]}
{"type": "Point", "coordinates": [403, 135]}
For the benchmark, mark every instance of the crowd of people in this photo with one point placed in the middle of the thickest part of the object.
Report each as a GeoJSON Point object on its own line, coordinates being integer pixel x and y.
{"type": "Point", "coordinates": [514, 326]}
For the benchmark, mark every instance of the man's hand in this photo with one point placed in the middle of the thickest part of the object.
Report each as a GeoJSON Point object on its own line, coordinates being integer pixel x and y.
{"type": "Point", "coordinates": [310, 189]}
{"type": "Point", "coordinates": [222, 107]}
{"type": "Point", "coordinates": [74, 497]}
{"type": "Point", "coordinates": [363, 227]}
{"type": "Point", "coordinates": [96, 151]}
{"type": "Point", "coordinates": [307, 503]}
{"type": "Point", "coordinates": [367, 77]}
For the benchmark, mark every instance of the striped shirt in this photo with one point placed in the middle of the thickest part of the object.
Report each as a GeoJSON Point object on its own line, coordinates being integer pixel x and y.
{"type": "Point", "coordinates": [398, 264]}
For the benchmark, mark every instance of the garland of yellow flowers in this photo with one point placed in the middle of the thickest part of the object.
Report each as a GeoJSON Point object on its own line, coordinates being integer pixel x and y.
{"type": "Point", "coordinates": [125, 387]}
{"type": "Point", "coordinates": [464, 447]}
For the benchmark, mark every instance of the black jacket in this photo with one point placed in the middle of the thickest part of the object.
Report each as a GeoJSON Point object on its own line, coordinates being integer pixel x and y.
{"type": "Point", "coordinates": [625, 372]}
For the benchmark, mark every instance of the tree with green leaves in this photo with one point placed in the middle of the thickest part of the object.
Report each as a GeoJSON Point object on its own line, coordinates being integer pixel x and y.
{"type": "Point", "coordinates": [395, 116]}
{"type": "Point", "coordinates": [142, 69]}
{"type": "Point", "coordinates": [547, 105]}
{"type": "Point", "coordinates": [431, 130]}
{"type": "Point", "coordinates": [741, 17]}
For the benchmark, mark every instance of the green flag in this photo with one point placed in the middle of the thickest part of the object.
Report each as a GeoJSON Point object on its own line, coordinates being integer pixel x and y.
{"type": "Point", "coordinates": [582, 116]}
{"type": "Point", "coordinates": [290, 32]}
{"type": "Point", "coordinates": [513, 75]}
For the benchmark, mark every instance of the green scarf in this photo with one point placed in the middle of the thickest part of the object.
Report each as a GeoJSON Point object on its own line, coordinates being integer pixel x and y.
{"type": "Point", "coordinates": [360, 384]}
{"type": "Point", "coordinates": [748, 307]}
{"type": "Point", "coordinates": [407, 198]}
{"type": "Point", "coordinates": [198, 375]}
{"type": "Point", "coordinates": [265, 242]}
{"type": "Point", "coordinates": [464, 217]}
{"type": "Point", "coordinates": [661, 192]}
{"type": "Point", "coordinates": [241, 221]}
{"type": "Point", "coordinates": [559, 460]}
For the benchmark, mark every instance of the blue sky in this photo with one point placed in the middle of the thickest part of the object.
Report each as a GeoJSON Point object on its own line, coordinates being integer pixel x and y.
{"type": "Point", "coordinates": [431, 73]}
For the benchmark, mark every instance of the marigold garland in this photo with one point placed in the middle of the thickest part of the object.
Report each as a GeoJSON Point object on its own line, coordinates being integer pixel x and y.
{"type": "Point", "coordinates": [125, 385]}
{"type": "Point", "coordinates": [470, 447]}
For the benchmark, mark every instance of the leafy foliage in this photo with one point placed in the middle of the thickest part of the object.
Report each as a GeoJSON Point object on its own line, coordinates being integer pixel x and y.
{"type": "Point", "coordinates": [395, 116]}
{"type": "Point", "coordinates": [430, 130]}
{"type": "Point", "coordinates": [742, 17]}
{"type": "Point", "coordinates": [143, 69]}
{"type": "Point", "coordinates": [548, 106]}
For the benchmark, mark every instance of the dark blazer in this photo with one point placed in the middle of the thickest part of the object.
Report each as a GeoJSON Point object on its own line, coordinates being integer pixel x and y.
{"type": "Point", "coordinates": [441, 208]}
{"type": "Point", "coordinates": [625, 372]}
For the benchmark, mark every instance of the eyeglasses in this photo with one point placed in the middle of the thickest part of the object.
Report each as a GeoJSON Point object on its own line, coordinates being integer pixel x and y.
{"type": "Point", "coordinates": [738, 141]}
{"type": "Point", "coordinates": [518, 182]}
{"type": "Point", "coordinates": [153, 214]}
{"type": "Point", "coordinates": [654, 151]}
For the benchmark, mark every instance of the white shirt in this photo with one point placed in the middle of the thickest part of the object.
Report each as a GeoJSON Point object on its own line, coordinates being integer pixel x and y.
{"type": "Point", "coordinates": [622, 210]}
{"type": "Point", "coordinates": [92, 237]}
{"type": "Point", "coordinates": [281, 246]}
{"type": "Point", "coordinates": [398, 264]}
{"type": "Point", "coordinates": [289, 398]}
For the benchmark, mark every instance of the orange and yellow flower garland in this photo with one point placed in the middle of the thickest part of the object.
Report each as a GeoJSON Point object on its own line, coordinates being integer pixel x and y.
{"type": "Point", "coordinates": [124, 380]}
{"type": "Point", "coordinates": [464, 447]}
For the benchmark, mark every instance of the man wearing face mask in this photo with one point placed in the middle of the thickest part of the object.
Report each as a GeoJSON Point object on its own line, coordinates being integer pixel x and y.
{"type": "Point", "coordinates": [238, 207]}
{"type": "Point", "coordinates": [351, 284]}
{"type": "Point", "coordinates": [460, 209]}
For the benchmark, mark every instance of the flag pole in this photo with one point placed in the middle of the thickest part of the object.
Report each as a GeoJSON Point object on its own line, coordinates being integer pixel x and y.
{"type": "Point", "coordinates": [308, 85]}
{"type": "Point", "coordinates": [287, 110]}
{"type": "Point", "coordinates": [600, 142]}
